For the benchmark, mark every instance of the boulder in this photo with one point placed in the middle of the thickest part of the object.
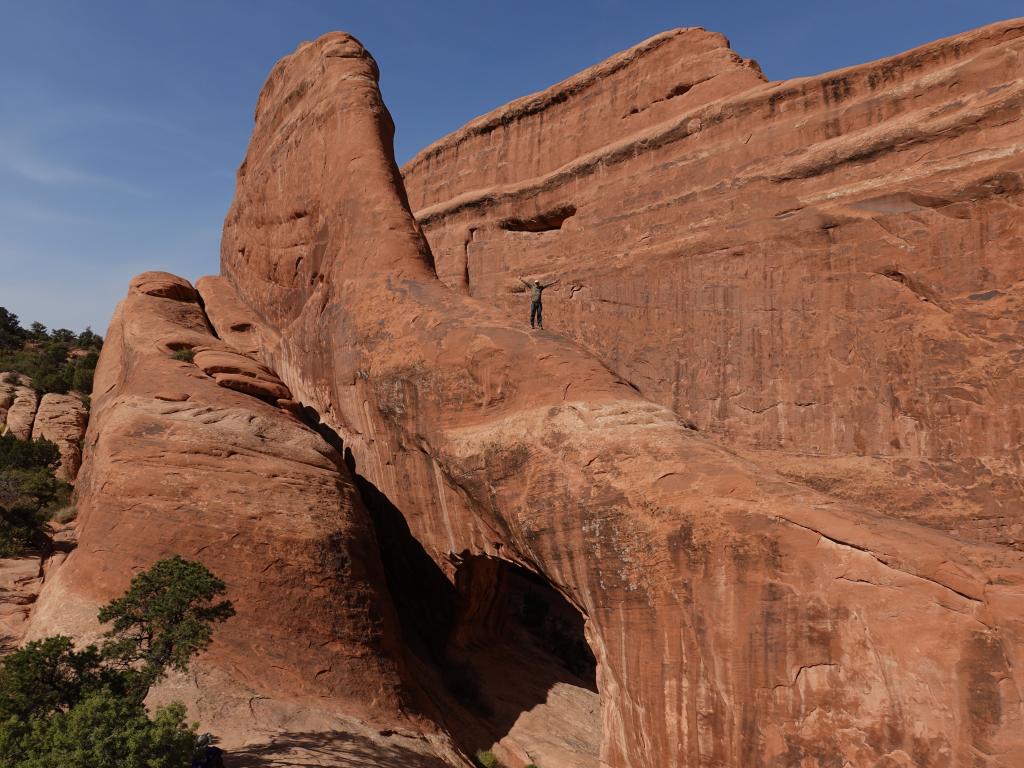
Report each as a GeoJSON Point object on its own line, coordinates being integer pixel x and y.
{"type": "Point", "coordinates": [9, 382]}
{"type": "Point", "coordinates": [22, 412]}
{"type": "Point", "coordinates": [61, 419]}
{"type": "Point", "coordinates": [236, 371]}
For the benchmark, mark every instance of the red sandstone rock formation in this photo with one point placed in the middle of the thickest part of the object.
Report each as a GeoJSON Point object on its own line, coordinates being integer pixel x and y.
{"type": "Point", "coordinates": [736, 617]}
{"type": "Point", "coordinates": [8, 384]}
{"type": "Point", "coordinates": [21, 412]}
{"type": "Point", "coordinates": [743, 607]}
{"type": "Point", "coordinates": [61, 419]}
{"type": "Point", "coordinates": [188, 458]}
{"type": "Point", "coordinates": [826, 271]}
{"type": "Point", "coordinates": [20, 582]}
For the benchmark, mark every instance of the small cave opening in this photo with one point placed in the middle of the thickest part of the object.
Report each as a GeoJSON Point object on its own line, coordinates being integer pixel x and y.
{"type": "Point", "coordinates": [547, 221]}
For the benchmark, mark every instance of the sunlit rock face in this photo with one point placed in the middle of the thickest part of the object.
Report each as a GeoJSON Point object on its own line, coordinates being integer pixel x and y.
{"type": "Point", "coordinates": [823, 273]}
{"type": "Point", "coordinates": [754, 499]}
{"type": "Point", "coordinates": [202, 455]}
{"type": "Point", "coordinates": [779, 376]}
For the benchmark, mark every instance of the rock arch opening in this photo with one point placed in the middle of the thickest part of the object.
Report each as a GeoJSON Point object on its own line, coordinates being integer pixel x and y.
{"type": "Point", "coordinates": [493, 652]}
{"type": "Point", "coordinates": [524, 647]}
{"type": "Point", "coordinates": [497, 654]}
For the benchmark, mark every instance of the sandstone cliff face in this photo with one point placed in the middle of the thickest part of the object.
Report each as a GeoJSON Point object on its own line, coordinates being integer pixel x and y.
{"type": "Point", "coordinates": [826, 271]}
{"type": "Point", "coordinates": [735, 617]}
{"type": "Point", "coordinates": [197, 459]}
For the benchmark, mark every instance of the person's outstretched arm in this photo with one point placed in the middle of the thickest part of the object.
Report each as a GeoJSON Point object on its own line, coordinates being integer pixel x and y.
{"type": "Point", "coordinates": [523, 281]}
{"type": "Point", "coordinates": [548, 285]}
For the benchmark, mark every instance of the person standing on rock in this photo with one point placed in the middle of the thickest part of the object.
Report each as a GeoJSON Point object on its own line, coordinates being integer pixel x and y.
{"type": "Point", "coordinates": [536, 308]}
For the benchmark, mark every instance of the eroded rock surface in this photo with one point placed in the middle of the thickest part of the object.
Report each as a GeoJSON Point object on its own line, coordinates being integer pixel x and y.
{"type": "Point", "coordinates": [231, 319]}
{"type": "Point", "coordinates": [9, 383]}
{"type": "Point", "coordinates": [21, 578]}
{"type": "Point", "coordinates": [825, 271]}
{"type": "Point", "coordinates": [177, 464]}
{"type": "Point", "coordinates": [736, 617]}
{"type": "Point", "coordinates": [821, 276]}
{"type": "Point", "coordinates": [21, 413]}
{"type": "Point", "coordinates": [61, 419]}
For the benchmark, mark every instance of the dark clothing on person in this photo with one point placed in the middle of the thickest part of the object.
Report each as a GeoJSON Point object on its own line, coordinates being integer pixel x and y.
{"type": "Point", "coordinates": [209, 757]}
{"type": "Point", "coordinates": [537, 311]}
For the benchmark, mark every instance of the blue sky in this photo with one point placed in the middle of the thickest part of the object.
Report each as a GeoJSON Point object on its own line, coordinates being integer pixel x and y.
{"type": "Point", "coordinates": [122, 123]}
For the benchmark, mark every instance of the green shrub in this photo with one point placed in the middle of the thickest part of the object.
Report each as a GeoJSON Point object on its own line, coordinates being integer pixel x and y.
{"type": "Point", "coordinates": [66, 708]}
{"type": "Point", "coordinates": [164, 619]}
{"type": "Point", "coordinates": [29, 492]}
{"type": "Point", "coordinates": [89, 340]}
{"type": "Point", "coordinates": [21, 530]}
{"type": "Point", "coordinates": [106, 729]}
{"type": "Point", "coordinates": [26, 454]}
{"type": "Point", "coordinates": [81, 381]}
{"type": "Point", "coordinates": [487, 759]}
{"type": "Point", "coordinates": [186, 355]}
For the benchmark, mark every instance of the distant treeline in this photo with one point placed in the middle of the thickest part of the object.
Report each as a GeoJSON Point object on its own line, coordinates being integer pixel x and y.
{"type": "Point", "coordinates": [57, 361]}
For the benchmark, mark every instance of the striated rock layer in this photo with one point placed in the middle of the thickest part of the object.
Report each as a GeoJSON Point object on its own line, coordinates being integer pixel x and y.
{"type": "Point", "coordinates": [735, 617]}
{"type": "Point", "coordinates": [197, 459]}
{"type": "Point", "coordinates": [826, 271]}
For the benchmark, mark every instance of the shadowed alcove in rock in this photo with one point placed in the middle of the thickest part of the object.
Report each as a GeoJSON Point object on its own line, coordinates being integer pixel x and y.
{"type": "Point", "coordinates": [498, 658]}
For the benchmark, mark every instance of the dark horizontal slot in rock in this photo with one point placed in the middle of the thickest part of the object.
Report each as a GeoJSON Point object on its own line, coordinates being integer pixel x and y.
{"type": "Point", "coordinates": [679, 90]}
{"type": "Point", "coordinates": [985, 295]}
{"type": "Point", "coordinates": [543, 222]}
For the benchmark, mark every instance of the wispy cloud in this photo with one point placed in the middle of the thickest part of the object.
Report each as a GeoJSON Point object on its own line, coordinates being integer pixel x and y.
{"type": "Point", "coordinates": [21, 211]}
{"type": "Point", "coordinates": [29, 163]}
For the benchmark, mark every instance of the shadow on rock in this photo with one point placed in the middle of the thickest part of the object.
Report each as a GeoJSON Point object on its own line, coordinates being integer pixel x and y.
{"type": "Point", "coordinates": [332, 748]}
